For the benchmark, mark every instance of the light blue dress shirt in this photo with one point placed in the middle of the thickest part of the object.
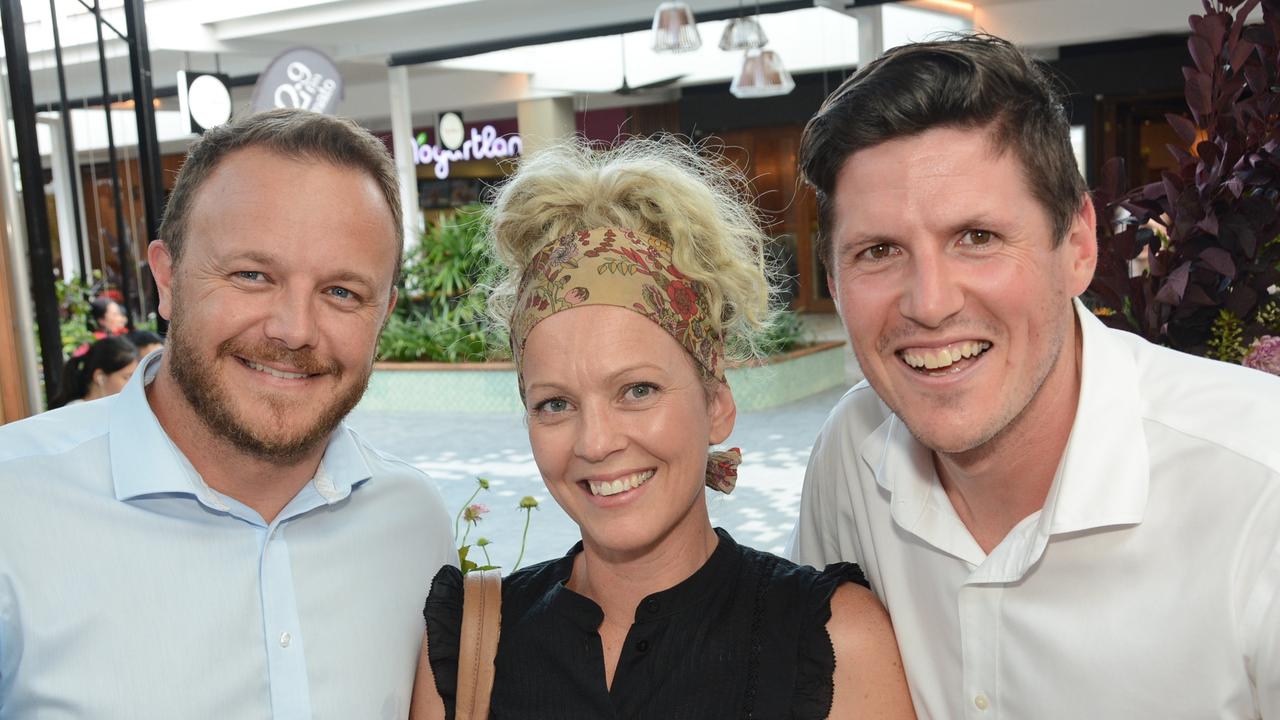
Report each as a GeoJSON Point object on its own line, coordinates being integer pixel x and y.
{"type": "Point", "coordinates": [130, 589]}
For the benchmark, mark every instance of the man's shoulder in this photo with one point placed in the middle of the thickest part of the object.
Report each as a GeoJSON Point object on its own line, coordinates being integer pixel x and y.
{"type": "Point", "coordinates": [857, 414]}
{"type": "Point", "coordinates": [1219, 404]}
{"type": "Point", "coordinates": [53, 433]}
{"type": "Point", "coordinates": [386, 466]}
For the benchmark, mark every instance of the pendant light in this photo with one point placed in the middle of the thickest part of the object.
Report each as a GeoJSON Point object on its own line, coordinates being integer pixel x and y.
{"type": "Point", "coordinates": [762, 75]}
{"type": "Point", "coordinates": [674, 29]}
{"type": "Point", "coordinates": [743, 33]}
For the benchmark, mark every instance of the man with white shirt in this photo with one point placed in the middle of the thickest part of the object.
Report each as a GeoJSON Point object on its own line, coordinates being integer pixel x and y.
{"type": "Point", "coordinates": [1064, 520]}
{"type": "Point", "coordinates": [214, 542]}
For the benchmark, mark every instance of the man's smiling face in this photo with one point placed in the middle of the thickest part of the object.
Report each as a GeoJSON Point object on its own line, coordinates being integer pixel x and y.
{"type": "Point", "coordinates": [947, 278]}
{"type": "Point", "coordinates": [276, 302]}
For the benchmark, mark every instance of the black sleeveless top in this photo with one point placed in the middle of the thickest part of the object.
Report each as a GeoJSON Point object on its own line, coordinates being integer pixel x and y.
{"type": "Point", "coordinates": [743, 637]}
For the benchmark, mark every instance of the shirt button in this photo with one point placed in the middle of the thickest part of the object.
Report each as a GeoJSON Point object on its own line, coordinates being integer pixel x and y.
{"type": "Point", "coordinates": [284, 639]}
{"type": "Point", "coordinates": [642, 646]}
{"type": "Point", "coordinates": [651, 606]}
{"type": "Point", "coordinates": [981, 702]}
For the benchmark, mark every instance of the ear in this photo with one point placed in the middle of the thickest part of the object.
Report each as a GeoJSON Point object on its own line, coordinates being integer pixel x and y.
{"type": "Point", "coordinates": [391, 304]}
{"type": "Point", "coordinates": [161, 262]}
{"type": "Point", "coordinates": [724, 412]}
{"type": "Point", "coordinates": [1081, 248]}
{"type": "Point", "coordinates": [99, 377]}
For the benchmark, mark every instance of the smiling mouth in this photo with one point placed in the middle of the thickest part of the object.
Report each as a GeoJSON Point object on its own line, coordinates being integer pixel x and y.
{"type": "Point", "coordinates": [944, 360]}
{"type": "Point", "coordinates": [272, 371]}
{"type": "Point", "coordinates": [622, 484]}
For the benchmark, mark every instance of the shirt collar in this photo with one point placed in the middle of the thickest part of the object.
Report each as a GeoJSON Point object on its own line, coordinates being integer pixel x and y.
{"type": "Point", "coordinates": [1102, 478]}
{"type": "Point", "coordinates": [145, 461]}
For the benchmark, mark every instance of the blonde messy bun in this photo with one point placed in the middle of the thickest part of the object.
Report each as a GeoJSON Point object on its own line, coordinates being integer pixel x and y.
{"type": "Point", "coordinates": [662, 187]}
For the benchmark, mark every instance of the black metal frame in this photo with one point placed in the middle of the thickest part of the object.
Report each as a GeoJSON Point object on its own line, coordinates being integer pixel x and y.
{"type": "Point", "coordinates": [30, 169]}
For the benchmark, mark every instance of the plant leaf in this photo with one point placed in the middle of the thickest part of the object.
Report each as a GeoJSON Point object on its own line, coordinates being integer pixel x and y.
{"type": "Point", "coordinates": [1185, 128]}
{"type": "Point", "coordinates": [1197, 93]}
{"type": "Point", "coordinates": [1201, 53]}
{"type": "Point", "coordinates": [1219, 260]}
{"type": "Point", "coordinates": [1240, 54]}
{"type": "Point", "coordinates": [1175, 286]}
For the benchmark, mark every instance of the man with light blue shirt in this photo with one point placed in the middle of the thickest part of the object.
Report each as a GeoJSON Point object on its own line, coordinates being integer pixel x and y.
{"type": "Point", "coordinates": [214, 541]}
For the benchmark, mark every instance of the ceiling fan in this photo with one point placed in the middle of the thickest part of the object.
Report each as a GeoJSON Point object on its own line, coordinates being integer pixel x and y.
{"type": "Point", "coordinates": [628, 89]}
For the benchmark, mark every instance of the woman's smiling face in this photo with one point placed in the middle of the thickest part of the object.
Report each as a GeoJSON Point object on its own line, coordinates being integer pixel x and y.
{"type": "Point", "coordinates": [620, 422]}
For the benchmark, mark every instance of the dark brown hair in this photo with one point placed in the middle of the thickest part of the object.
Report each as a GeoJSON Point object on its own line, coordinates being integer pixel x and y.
{"type": "Point", "coordinates": [291, 133]}
{"type": "Point", "coordinates": [966, 81]}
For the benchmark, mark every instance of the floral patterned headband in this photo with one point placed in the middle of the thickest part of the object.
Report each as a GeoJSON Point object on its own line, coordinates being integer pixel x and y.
{"type": "Point", "coordinates": [623, 268]}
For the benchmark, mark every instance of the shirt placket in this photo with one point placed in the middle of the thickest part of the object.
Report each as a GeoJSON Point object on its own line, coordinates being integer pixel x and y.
{"type": "Point", "coordinates": [286, 655]}
{"type": "Point", "coordinates": [979, 607]}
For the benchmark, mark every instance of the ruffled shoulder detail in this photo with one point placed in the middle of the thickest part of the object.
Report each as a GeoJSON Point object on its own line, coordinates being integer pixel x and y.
{"type": "Point", "coordinates": [443, 613]}
{"type": "Point", "coordinates": [816, 661]}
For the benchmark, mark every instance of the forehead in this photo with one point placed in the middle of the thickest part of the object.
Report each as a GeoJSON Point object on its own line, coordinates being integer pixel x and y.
{"type": "Point", "coordinates": [941, 172]}
{"type": "Point", "coordinates": [261, 199]}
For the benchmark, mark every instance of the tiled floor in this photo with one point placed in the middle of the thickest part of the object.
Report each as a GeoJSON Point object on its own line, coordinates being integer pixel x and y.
{"type": "Point", "coordinates": [453, 449]}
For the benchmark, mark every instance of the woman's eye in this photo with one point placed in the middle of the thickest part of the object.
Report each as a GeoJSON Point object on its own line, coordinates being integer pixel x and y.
{"type": "Point", "coordinates": [977, 237]}
{"type": "Point", "coordinates": [554, 405]}
{"type": "Point", "coordinates": [640, 391]}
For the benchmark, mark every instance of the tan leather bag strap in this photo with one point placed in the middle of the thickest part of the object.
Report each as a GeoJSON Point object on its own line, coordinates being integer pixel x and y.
{"type": "Point", "coordinates": [478, 643]}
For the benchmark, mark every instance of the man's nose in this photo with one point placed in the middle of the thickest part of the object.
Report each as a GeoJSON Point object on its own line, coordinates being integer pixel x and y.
{"type": "Point", "coordinates": [933, 290]}
{"type": "Point", "coordinates": [292, 319]}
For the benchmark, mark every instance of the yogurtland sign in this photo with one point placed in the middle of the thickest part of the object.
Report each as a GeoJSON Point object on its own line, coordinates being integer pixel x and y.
{"type": "Point", "coordinates": [482, 144]}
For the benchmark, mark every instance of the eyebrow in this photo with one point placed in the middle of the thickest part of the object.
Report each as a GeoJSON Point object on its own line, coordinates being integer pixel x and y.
{"type": "Point", "coordinates": [344, 276]}
{"type": "Point", "coordinates": [609, 379]}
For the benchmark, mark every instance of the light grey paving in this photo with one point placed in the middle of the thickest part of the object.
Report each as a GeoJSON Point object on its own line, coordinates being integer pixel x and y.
{"type": "Point", "coordinates": [454, 449]}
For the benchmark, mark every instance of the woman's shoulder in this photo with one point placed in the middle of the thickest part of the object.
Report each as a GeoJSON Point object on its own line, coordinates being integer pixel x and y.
{"type": "Point", "coordinates": [802, 579]}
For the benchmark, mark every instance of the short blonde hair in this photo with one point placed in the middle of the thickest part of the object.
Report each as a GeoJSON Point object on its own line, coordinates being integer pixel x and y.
{"type": "Point", "coordinates": [662, 187]}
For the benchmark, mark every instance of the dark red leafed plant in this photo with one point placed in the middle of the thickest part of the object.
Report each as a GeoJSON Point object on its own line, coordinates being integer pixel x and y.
{"type": "Point", "coordinates": [1211, 230]}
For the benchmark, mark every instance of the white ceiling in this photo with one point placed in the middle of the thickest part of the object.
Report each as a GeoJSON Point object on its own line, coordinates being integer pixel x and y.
{"type": "Point", "coordinates": [241, 36]}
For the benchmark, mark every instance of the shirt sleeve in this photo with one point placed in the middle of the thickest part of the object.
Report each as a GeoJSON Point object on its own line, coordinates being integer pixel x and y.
{"type": "Point", "coordinates": [443, 613]}
{"type": "Point", "coordinates": [813, 541]}
{"type": "Point", "coordinates": [1263, 614]}
{"type": "Point", "coordinates": [816, 660]}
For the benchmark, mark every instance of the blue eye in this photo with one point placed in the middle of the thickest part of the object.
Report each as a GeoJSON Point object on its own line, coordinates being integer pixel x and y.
{"type": "Point", "coordinates": [554, 405]}
{"type": "Point", "coordinates": [640, 391]}
{"type": "Point", "coordinates": [341, 292]}
{"type": "Point", "coordinates": [249, 275]}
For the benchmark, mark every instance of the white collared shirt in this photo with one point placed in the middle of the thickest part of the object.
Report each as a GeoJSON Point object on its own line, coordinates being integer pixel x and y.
{"type": "Point", "coordinates": [1148, 586]}
{"type": "Point", "coordinates": [131, 589]}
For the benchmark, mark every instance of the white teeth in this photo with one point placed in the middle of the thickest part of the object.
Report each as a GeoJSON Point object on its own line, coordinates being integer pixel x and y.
{"type": "Point", "coordinates": [275, 373]}
{"type": "Point", "coordinates": [616, 486]}
{"type": "Point", "coordinates": [944, 357]}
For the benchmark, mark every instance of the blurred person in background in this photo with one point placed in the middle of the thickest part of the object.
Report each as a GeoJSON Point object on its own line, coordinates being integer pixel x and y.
{"type": "Point", "coordinates": [626, 272]}
{"type": "Point", "coordinates": [107, 318]}
{"type": "Point", "coordinates": [101, 370]}
{"type": "Point", "coordinates": [214, 541]}
{"type": "Point", "coordinates": [146, 341]}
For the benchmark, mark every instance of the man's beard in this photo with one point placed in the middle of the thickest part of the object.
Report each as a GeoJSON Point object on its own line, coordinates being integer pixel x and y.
{"type": "Point", "coordinates": [208, 397]}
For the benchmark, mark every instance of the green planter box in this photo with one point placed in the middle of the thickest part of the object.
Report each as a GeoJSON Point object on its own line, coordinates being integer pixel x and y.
{"type": "Point", "coordinates": [478, 388]}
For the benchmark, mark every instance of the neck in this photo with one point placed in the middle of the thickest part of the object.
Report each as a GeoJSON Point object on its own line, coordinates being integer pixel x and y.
{"type": "Point", "coordinates": [996, 485]}
{"type": "Point", "coordinates": [264, 486]}
{"type": "Point", "coordinates": [618, 581]}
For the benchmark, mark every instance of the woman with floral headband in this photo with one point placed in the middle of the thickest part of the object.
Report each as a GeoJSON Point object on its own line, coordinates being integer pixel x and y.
{"type": "Point", "coordinates": [627, 272]}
